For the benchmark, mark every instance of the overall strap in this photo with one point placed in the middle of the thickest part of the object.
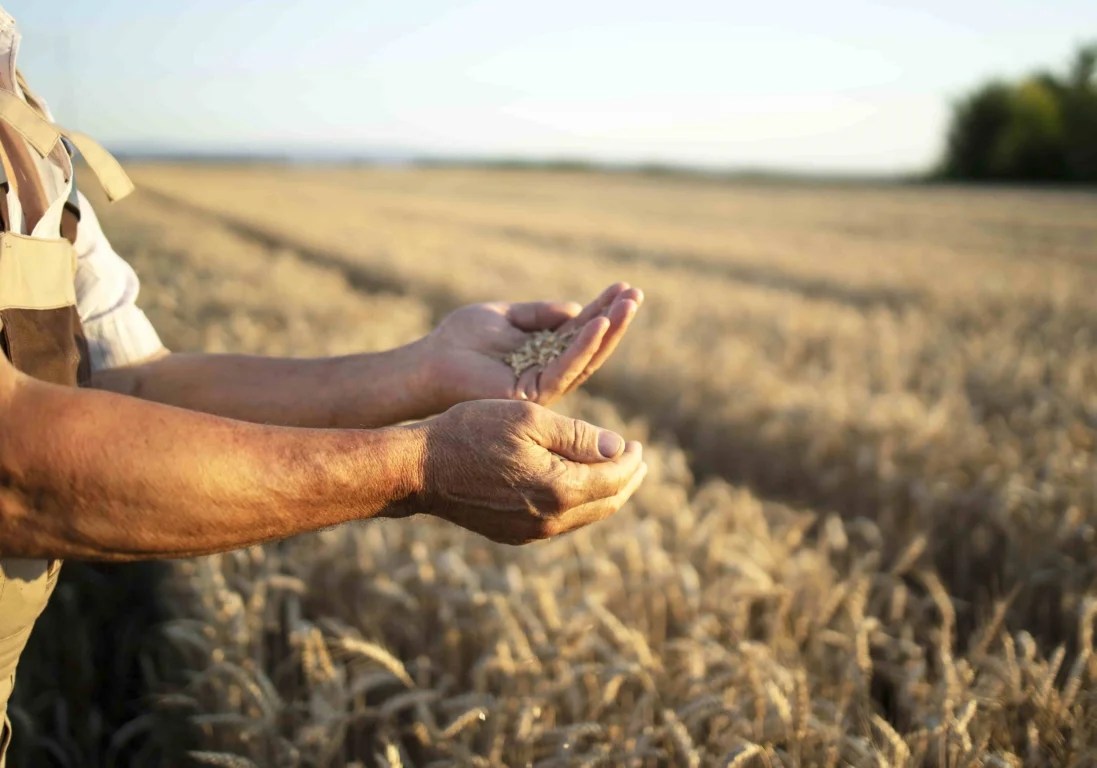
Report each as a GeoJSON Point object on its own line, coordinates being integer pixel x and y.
{"type": "Point", "coordinates": [70, 216]}
{"type": "Point", "coordinates": [22, 174]}
{"type": "Point", "coordinates": [43, 136]}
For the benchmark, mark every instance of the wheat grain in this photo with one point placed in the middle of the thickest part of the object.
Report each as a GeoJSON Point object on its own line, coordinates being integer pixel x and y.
{"type": "Point", "coordinates": [378, 654]}
{"type": "Point", "coordinates": [1075, 679]}
{"type": "Point", "coordinates": [741, 756]}
{"type": "Point", "coordinates": [464, 721]}
{"type": "Point", "coordinates": [540, 349]}
{"type": "Point", "coordinates": [900, 752]}
{"type": "Point", "coordinates": [679, 736]}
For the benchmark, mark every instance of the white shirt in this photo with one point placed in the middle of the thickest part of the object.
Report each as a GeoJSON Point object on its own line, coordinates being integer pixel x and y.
{"type": "Point", "coordinates": [117, 331]}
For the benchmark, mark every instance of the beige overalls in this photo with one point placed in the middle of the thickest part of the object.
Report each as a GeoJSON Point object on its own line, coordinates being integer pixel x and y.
{"type": "Point", "coordinates": [40, 329]}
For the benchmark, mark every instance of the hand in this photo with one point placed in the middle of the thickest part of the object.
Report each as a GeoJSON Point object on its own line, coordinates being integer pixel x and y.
{"type": "Point", "coordinates": [466, 350]}
{"type": "Point", "coordinates": [516, 472]}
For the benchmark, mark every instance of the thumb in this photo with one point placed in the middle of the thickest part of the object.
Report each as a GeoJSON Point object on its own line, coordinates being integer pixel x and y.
{"type": "Point", "coordinates": [579, 441]}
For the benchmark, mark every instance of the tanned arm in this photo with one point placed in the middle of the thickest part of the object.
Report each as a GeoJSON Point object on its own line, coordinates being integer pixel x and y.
{"type": "Point", "coordinates": [356, 391]}
{"type": "Point", "coordinates": [96, 475]}
{"type": "Point", "coordinates": [93, 475]}
{"type": "Point", "coordinates": [461, 360]}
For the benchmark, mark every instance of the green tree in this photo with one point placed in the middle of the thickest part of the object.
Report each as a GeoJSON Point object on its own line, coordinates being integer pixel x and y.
{"type": "Point", "coordinates": [1084, 72]}
{"type": "Point", "coordinates": [977, 123]}
{"type": "Point", "coordinates": [1043, 128]}
{"type": "Point", "coordinates": [1031, 145]}
{"type": "Point", "coordinates": [1079, 107]}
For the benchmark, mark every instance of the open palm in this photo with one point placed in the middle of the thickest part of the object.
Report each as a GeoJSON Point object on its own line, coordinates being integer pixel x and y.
{"type": "Point", "coordinates": [468, 346]}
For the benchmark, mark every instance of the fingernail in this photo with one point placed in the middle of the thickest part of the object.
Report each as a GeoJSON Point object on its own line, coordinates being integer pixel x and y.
{"type": "Point", "coordinates": [610, 444]}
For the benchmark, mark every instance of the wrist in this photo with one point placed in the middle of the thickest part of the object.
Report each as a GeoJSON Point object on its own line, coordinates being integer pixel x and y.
{"type": "Point", "coordinates": [426, 380]}
{"type": "Point", "coordinates": [416, 380]}
{"type": "Point", "coordinates": [405, 457]}
{"type": "Point", "coordinates": [429, 380]}
{"type": "Point", "coordinates": [359, 474]}
{"type": "Point", "coordinates": [381, 388]}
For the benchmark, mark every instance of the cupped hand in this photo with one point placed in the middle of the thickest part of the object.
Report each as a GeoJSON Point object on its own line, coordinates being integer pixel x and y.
{"type": "Point", "coordinates": [467, 349]}
{"type": "Point", "coordinates": [516, 472]}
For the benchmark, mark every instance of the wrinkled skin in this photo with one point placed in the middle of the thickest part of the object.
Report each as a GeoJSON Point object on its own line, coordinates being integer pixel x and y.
{"type": "Point", "coordinates": [516, 472]}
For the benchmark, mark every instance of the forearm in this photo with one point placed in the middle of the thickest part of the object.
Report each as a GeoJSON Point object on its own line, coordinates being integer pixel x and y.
{"type": "Point", "coordinates": [356, 391]}
{"type": "Point", "coordinates": [93, 475]}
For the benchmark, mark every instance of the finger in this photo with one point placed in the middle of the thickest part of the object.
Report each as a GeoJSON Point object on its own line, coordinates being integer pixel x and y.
{"type": "Point", "coordinates": [575, 440]}
{"type": "Point", "coordinates": [580, 484]}
{"type": "Point", "coordinates": [545, 385]}
{"type": "Point", "coordinates": [621, 315]}
{"type": "Point", "coordinates": [590, 482]}
{"type": "Point", "coordinates": [596, 307]}
{"type": "Point", "coordinates": [636, 294]}
{"type": "Point", "coordinates": [596, 511]}
{"type": "Point", "coordinates": [557, 376]}
{"type": "Point", "coordinates": [541, 315]}
{"type": "Point", "coordinates": [528, 381]}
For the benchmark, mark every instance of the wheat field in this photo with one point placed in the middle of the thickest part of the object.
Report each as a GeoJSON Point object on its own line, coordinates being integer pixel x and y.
{"type": "Point", "coordinates": [867, 537]}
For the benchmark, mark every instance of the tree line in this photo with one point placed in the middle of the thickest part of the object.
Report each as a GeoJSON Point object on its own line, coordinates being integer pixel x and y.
{"type": "Point", "coordinates": [1042, 128]}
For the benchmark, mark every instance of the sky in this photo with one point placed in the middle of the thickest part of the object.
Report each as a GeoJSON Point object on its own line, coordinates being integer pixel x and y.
{"type": "Point", "coordinates": [839, 86]}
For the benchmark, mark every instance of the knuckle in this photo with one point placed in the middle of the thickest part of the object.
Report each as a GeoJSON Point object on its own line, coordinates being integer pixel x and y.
{"type": "Point", "coordinates": [466, 410]}
{"type": "Point", "coordinates": [578, 433]}
{"type": "Point", "coordinates": [525, 411]}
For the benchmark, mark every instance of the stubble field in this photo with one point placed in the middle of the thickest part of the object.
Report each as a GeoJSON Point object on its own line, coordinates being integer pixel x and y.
{"type": "Point", "coordinates": [867, 536]}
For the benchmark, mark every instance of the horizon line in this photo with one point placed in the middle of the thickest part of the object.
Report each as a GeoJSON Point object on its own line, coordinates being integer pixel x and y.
{"type": "Point", "coordinates": [376, 157]}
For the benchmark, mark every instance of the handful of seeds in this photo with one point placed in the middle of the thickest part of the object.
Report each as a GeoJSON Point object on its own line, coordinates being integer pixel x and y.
{"type": "Point", "coordinates": [541, 348]}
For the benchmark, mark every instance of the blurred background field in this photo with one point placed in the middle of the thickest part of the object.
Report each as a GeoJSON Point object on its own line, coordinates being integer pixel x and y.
{"type": "Point", "coordinates": [867, 385]}
{"type": "Point", "coordinates": [867, 538]}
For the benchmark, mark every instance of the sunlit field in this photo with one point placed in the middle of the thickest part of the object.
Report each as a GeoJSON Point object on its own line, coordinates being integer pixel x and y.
{"type": "Point", "coordinates": [867, 536]}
